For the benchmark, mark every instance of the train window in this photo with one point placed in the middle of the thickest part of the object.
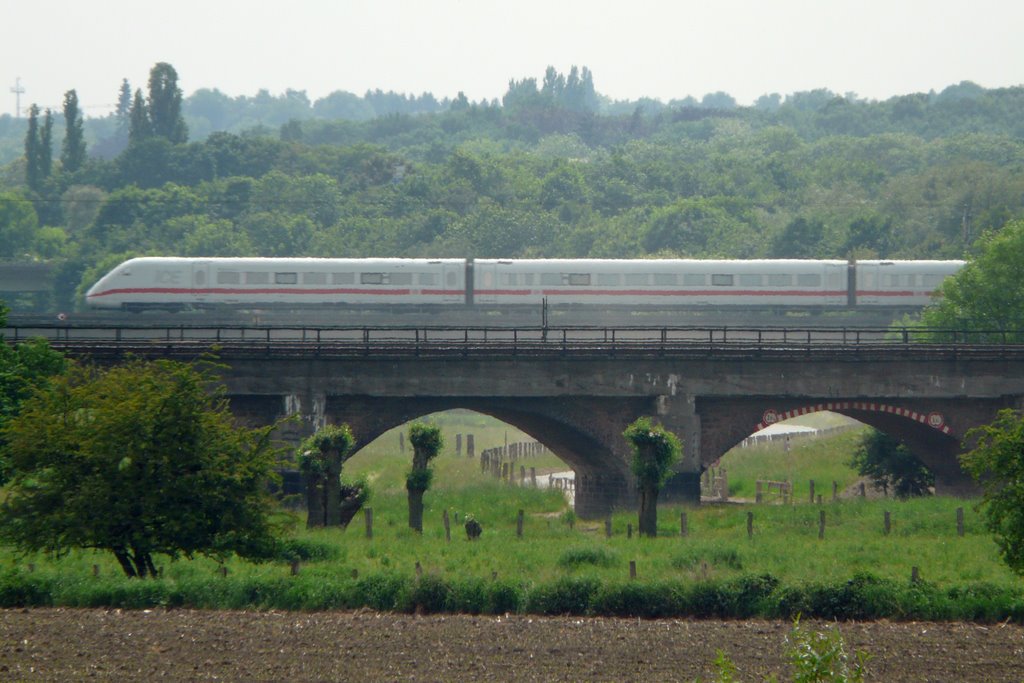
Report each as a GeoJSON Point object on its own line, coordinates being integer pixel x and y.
{"type": "Point", "coordinates": [400, 279]}
{"type": "Point", "coordinates": [286, 278]}
{"type": "Point", "coordinates": [550, 278]}
{"type": "Point", "coordinates": [314, 278]}
{"type": "Point", "coordinates": [228, 277]}
{"type": "Point", "coordinates": [427, 279]}
{"type": "Point", "coordinates": [808, 280]}
{"type": "Point", "coordinates": [780, 280]}
{"type": "Point", "coordinates": [721, 280]}
{"type": "Point", "coordinates": [371, 278]}
{"type": "Point", "coordinates": [664, 278]}
{"type": "Point", "coordinates": [580, 279]}
{"type": "Point", "coordinates": [343, 278]}
{"type": "Point", "coordinates": [931, 281]}
{"type": "Point", "coordinates": [897, 280]}
{"type": "Point", "coordinates": [253, 277]}
{"type": "Point", "coordinates": [695, 279]}
{"type": "Point", "coordinates": [638, 279]}
{"type": "Point", "coordinates": [750, 280]}
{"type": "Point", "coordinates": [529, 279]}
{"type": "Point", "coordinates": [609, 279]}
{"type": "Point", "coordinates": [509, 279]}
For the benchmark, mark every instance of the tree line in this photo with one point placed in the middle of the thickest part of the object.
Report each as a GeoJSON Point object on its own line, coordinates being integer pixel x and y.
{"type": "Point", "coordinates": [541, 174]}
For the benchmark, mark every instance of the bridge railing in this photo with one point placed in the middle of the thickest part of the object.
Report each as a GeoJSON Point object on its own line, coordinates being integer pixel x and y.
{"type": "Point", "coordinates": [578, 341]}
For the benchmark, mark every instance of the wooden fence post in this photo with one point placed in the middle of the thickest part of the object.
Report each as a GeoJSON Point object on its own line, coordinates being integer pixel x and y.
{"type": "Point", "coordinates": [632, 569]}
{"type": "Point", "coordinates": [683, 530]}
{"type": "Point", "coordinates": [608, 527]}
{"type": "Point", "coordinates": [519, 524]}
{"type": "Point", "coordinates": [470, 449]}
{"type": "Point", "coordinates": [458, 445]}
{"type": "Point", "coordinates": [533, 477]}
{"type": "Point", "coordinates": [629, 530]}
{"type": "Point", "coordinates": [812, 491]}
{"type": "Point", "coordinates": [447, 527]}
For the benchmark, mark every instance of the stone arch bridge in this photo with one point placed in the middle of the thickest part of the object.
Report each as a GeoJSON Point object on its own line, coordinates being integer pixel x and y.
{"type": "Point", "coordinates": [578, 395]}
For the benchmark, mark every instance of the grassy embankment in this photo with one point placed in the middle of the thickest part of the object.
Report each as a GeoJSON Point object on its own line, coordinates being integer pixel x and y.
{"type": "Point", "coordinates": [856, 571]}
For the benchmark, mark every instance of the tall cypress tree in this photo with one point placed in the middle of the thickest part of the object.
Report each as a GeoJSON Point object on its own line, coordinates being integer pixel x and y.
{"type": "Point", "coordinates": [45, 149]}
{"type": "Point", "coordinates": [33, 177]}
{"type": "Point", "coordinates": [73, 149]}
{"type": "Point", "coordinates": [165, 104]}
{"type": "Point", "coordinates": [138, 120]}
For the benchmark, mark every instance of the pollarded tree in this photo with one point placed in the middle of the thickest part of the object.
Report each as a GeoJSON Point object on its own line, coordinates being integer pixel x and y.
{"type": "Point", "coordinates": [997, 463]}
{"type": "Point", "coordinates": [426, 443]}
{"type": "Point", "coordinates": [139, 459]}
{"type": "Point", "coordinates": [655, 450]}
{"type": "Point", "coordinates": [321, 458]}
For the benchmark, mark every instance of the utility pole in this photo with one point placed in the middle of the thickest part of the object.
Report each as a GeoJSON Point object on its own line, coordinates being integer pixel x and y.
{"type": "Point", "coordinates": [18, 90]}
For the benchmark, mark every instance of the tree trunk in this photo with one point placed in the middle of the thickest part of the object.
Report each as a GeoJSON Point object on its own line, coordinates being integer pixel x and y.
{"type": "Point", "coordinates": [416, 509]}
{"type": "Point", "coordinates": [314, 501]}
{"type": "Point", "coordinates": [648, 522]}
{"type": "Point", "coordinates": [332, 489]}
{"type": "Point", "coordinates": [126, 564]}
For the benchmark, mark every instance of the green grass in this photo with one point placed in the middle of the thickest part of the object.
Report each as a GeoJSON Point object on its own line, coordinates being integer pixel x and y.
{"type": "Point", "coordinates": [855, 571]}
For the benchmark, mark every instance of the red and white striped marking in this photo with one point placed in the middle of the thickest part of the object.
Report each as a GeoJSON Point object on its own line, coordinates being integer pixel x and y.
{"type": "Point", "coordinates": [933, 419]}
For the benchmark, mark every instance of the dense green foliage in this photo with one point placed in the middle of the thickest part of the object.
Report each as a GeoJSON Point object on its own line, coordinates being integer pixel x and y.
{"type": "Point", "coordinates": [890, 465]}
{"type": "Point", "coordinates": [997, 462]}
{"type": "Point", "coordinates": [23, 368]}
{"type": "Point", "coordinates": [553, 170]}
{"type": "Point", "coordinates": [987, 296]}
{"type": "Point", "coordinates": [140, 459]}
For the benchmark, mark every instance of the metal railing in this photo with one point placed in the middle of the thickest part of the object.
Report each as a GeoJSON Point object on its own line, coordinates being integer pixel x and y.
{"type": "Point", "coordinates": [188, 340]}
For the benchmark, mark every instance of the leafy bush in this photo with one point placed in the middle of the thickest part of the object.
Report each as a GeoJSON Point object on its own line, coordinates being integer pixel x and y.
{"type": "Point", "coordinates": [570, 595]}
{"type": "Point", "coordinates": [431, 594]}
{"type": "Point", "coordinates": [691, 557]}
{"type": "Point", "coordinates": [594, 556]}
{"type": "Point", "coordinates": [635, 599]}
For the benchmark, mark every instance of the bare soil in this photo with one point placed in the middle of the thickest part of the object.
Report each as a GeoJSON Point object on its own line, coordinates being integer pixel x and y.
{"type": "Point", "coordinates": [73, 644]}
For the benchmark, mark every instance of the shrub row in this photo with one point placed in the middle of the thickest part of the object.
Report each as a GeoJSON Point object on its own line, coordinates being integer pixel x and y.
{"type": "Point", "coordinates": [862, 597]}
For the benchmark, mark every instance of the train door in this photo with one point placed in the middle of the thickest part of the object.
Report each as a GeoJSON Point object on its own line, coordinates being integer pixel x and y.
{"type": "Point", "coordinates": [454, 290]}
{"type": "Point", "coordinates": [486, 283]}
{"type": "Point", "coordinates": [201, 284]}
{"type": "Point", "coordinates": [836, 284]}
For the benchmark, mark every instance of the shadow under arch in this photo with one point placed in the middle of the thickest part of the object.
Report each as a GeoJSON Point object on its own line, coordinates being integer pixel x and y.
{"type": "Point", "coordinates": [603, 479]}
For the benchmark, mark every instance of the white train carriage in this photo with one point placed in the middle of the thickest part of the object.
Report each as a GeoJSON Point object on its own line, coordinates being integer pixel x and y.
{"type": "Point", "coordinates": [662, 282]}
{"type": "Point", "coordinates": [175, 283]}
{"type": "Point", "coordinates": [901, 283]}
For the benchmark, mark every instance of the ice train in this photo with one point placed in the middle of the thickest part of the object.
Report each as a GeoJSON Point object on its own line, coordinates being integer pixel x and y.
{"type": "Point", "coordinates": [177, 283]}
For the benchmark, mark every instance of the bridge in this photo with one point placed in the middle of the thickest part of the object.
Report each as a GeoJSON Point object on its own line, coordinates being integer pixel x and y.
{"type": "Point", "coordinates": [576, 389]}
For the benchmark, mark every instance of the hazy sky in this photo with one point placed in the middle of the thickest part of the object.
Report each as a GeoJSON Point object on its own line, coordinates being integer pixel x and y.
{"type": "Point", "coordinates": [635, 48]}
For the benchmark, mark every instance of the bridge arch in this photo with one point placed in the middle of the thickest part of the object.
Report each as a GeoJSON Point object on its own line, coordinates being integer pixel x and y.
{"type": "Point", "coordinates": [577, 434]}
{"type": "Point", "coordinates": [931, 431]}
